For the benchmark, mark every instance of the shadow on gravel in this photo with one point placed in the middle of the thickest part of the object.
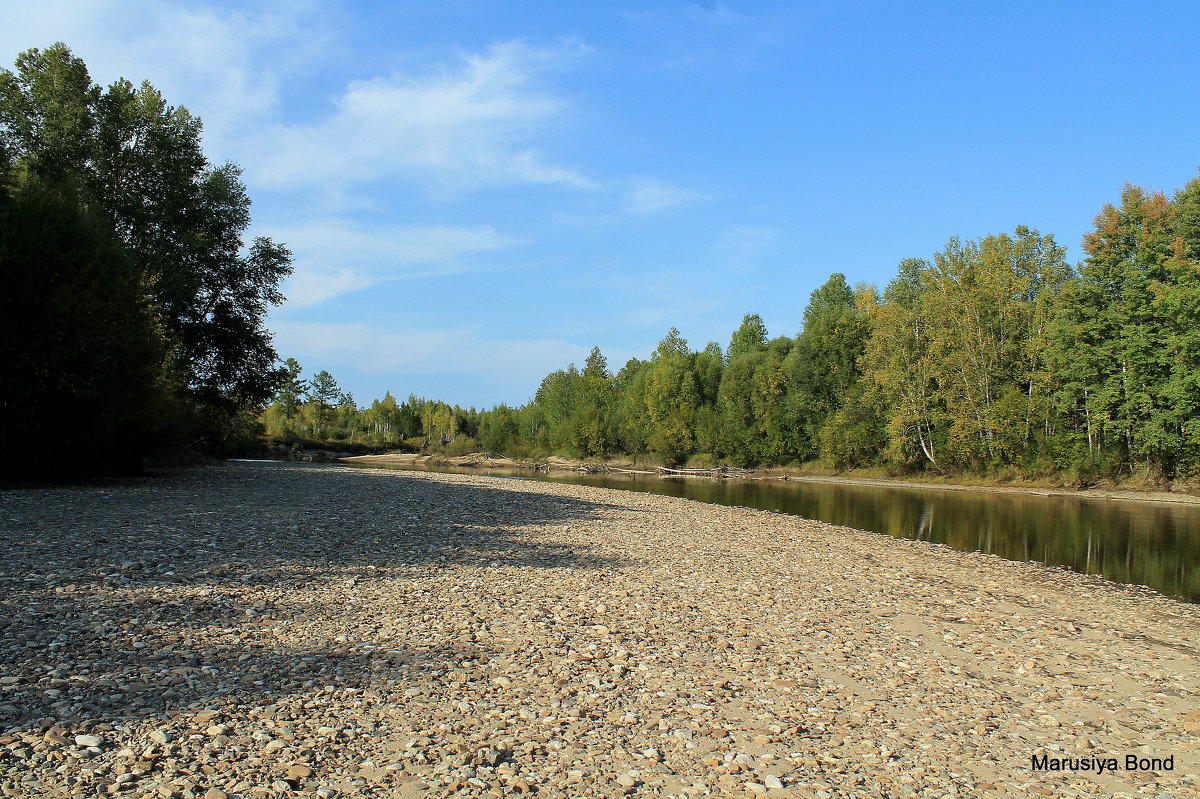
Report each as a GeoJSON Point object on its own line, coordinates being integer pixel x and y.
{"type": "Point", "coordinates": [127, 600]}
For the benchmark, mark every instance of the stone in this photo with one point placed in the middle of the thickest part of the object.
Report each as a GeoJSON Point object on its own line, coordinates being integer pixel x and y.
{"type": "Point", "coordinates": [391, 651]}
{"type": "Point", "coordinates": [89, 740]}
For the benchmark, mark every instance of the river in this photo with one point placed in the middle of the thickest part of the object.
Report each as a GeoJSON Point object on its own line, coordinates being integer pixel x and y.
{"type": "Point", "coordinates": [1142, 543]}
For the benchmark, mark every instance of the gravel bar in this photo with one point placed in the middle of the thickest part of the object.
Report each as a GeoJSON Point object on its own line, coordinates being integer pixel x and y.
{"type": "Point", "coordinates": [271, 630]}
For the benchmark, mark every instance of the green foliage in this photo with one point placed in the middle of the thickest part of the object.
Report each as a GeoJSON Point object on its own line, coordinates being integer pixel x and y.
{"type": "Point", "coordinates": [136, 165]}
{"type": "Point", "coordinates": [672, 398]}
{"type": "Point", "coordinates": [133, 168]}
{"type": "Point", "coordinates": [750, 337]}
{"type": "Point", "coordinates": [80, 351]}
{"type": "Point", "coordinates": [824, 366]}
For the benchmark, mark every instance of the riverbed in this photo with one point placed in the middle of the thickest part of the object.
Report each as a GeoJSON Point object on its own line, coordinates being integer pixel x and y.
{"type": "Point", "coordinates": [368, 632]}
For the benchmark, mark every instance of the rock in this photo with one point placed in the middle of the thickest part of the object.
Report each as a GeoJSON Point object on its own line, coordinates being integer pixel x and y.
{"type": "Point", "coordinates": [390, 650]}
{"type": "Point", "coordinates": [56, 738]}
{"type": "Point", "coordinates": [89, 741]}
{"type": "Point", "coordinates": [488, 757]}
{"type": "Point", "coordinates": [215, 793]}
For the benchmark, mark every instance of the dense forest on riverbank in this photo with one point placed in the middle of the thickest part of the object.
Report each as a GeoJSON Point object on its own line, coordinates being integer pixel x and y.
{"type": "Point", "coordinates": [992, 356]}
{"type": "Point", "coordinates": [132, 311]}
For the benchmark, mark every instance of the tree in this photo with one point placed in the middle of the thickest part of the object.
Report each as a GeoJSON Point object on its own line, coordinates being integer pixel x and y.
{"type": "Point", "coordinates": [739, 437]}
{"type": "Point", "coordinates": [671, 398]}
{"type": "Point", "coordinates": [824, 365]}
{"type": "Point", "coordinates": [323, 395]}
{"type": "Point", "coordinates": [751, 336]}
{"type": "Point", "coordinates": [79, 350]}
{"type": "Point", "coordinates": [901, 367]}
{"type": "Point", "coordinates": [292, 391]}
{"type": "Point", "coordinates": [1126, 332]}
{"type": "Point", "coordinates": [181, 221]}
{"type": "Point", "coordinates": [1181, 308]}
{"type": "Point", "coordinates": [558, 398]}
{"type": "Point", "coordinates": [632, 415]}
{"type": "Point", "coordinates": [592, 425]}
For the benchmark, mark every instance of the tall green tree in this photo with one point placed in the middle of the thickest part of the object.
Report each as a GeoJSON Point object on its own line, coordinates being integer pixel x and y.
{"type": "Point", "coordinates": [323, 396]}
{"type": "Point", "coordinates": [824, 365]}
{"type": "Point", "coordinates": [1180, 307]}
{"type": "Point", "coordinates": [292, 391]}
{"type": "Point", "coordinates": [1124, 333]}
{"type": "Point", "coordinates": [180, 219]}
{"type": "Point", "coordinates": [672, 399]}
{"type": "Point", "coordinates": [593, 425]}
{"type": "Point", "coordinates": [900, 364]}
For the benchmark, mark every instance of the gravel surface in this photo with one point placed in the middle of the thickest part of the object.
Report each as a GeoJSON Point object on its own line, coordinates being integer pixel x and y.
{"type": "Point", "coordinates": [269, 630]}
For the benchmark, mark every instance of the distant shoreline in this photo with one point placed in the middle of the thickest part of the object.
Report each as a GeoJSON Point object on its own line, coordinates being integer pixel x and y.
{"type": "Point", "coordinates": [559, 465]}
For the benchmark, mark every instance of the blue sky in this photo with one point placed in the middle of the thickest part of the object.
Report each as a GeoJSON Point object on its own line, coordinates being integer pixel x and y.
{"type": "Point", "coordinates": [478, 193]}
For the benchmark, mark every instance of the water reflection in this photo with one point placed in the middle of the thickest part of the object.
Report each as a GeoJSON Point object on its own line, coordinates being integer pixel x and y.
{"type": "Point", "coordinates": [1130, 542]}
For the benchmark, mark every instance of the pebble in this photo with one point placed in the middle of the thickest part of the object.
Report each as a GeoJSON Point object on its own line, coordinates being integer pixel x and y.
{"type": "Point", "coordinates": [419, 634]}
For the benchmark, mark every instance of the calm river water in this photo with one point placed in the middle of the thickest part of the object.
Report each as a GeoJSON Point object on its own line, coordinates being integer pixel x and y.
{"type": "Point", "coordinates": [1157, 545]}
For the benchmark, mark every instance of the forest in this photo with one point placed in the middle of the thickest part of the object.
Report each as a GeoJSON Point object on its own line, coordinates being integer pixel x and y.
{"type": "Point", "coordinates": [992, 357]}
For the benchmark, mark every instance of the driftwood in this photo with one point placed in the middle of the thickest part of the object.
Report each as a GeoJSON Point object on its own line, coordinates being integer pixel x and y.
{"type": "Point", "coordinates": [719, 471]}
{"type": "Point", "coordinates": [597, 468]}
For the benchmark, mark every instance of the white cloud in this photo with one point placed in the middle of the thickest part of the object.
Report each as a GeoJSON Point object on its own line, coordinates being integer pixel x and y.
{"type": "Point", "coordinates": [334, 257]}
{"type": "Point", "coordinates": [224, 64]}
{"type": "Point", "coordinates": [474, 125]}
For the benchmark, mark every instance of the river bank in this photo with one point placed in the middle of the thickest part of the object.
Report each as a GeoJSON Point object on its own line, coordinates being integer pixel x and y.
{"type": "Point", "coordinates": [262, 628]}
{"type": "Point", "coordinates": [560, 465]}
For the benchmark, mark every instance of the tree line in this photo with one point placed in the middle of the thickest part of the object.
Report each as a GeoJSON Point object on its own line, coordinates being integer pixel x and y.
{"type": "Point", "coordinates": [132, 309]}
{"type": "Point", "coordinates": [993, 355]}
{"type": "Point", "coordinates": [317, 412]}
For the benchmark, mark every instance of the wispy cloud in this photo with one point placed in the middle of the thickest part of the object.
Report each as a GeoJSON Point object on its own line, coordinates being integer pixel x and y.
{"type": "Point", "coordinates": [471, 125]}
{"type": "Point", "coordinates": [649, 195]}
{"type": "Point", "coordinates": [740, 247]}
{"type": "Point", "coordinates": [334, 257]}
